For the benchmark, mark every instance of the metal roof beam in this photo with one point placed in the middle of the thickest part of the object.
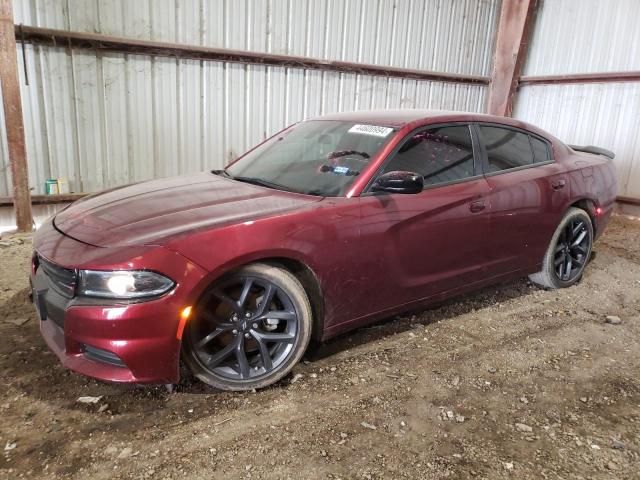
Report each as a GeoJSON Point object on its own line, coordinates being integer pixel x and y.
{"type": "Point", "coordinates": [108, 43]}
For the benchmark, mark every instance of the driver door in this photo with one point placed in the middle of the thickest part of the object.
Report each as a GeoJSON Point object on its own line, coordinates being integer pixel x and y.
{"type": "Point", "coordinates": [424, 244]}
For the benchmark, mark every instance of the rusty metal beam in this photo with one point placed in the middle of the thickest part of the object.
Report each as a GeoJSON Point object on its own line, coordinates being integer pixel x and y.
{"type": "Point", "coordinates": [628, 200]}
{"type": "Point", "coordinates": [46, 199]}
{"type": "Point", "coordinates": [107, 43]}
{"type": "Point", "coordinates": [603, 77]}
{"type": "Point", "coordinates": [512, 38]}
{"type": "Point", "coordinates": [13, 119]}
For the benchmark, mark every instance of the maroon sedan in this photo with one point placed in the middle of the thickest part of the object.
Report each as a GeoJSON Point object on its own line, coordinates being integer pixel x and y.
{"type": "Point", "coordinates": [329, 225]}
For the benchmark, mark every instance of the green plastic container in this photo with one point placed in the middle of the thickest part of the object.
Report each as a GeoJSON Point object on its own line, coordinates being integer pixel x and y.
{"type": "Point", "coordinates": [51, 186]}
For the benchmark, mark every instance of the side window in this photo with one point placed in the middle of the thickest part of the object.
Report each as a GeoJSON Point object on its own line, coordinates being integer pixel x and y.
{"type": "Point", "coordinates": [505, 148]}
{"type": "Point", "coordinates": [440, 155]}
{"type": "Point", "coordinates": [540, 150]}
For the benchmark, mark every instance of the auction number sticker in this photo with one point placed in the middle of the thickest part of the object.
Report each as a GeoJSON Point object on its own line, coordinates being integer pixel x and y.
{"type": "Point", "coordinates": [374, 130]}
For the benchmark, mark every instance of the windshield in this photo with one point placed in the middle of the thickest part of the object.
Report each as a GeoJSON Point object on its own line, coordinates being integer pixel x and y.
{"type": "Point", "coordinates": [317, 157]}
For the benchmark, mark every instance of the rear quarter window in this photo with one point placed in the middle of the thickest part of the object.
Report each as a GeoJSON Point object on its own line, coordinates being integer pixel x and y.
{"type": "Point", "coordinates": [540, 150]}
{"type": "Point", "coordinates": [506, 148]}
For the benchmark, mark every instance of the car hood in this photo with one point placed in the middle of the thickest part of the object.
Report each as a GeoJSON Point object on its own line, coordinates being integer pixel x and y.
{"type": "Point", "coordinates": [150, 213]}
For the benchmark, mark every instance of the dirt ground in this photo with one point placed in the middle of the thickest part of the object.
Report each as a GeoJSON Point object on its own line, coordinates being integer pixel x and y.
{"type": "Point", "coordinates": [511, 382]}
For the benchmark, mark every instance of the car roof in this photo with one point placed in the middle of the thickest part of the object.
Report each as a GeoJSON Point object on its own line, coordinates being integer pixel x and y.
{"type": "Point", "coordinates": [400, 118]}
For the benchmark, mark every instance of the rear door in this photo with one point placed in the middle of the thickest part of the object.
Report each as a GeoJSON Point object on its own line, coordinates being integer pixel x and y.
{"type": "Point", "coordinates": [422, 244]}
{"type": "Point", "coordinates": [528, 192]}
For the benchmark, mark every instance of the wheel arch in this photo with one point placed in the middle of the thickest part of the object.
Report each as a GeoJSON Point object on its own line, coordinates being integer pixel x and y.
{"type": "Point", "coordinates": [589, 206]}
{"type": "Point", "coordinates": [298, 268]}
{"type": "Point", "coordinates": [311, 284]}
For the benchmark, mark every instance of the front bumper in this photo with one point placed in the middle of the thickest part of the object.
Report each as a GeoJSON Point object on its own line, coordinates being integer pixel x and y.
{"type": "Point", "coordinates": [111, 340]}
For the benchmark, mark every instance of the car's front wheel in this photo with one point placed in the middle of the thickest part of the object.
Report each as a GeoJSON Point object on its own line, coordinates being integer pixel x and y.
{"type": "Point", "coordinates": [249, 329]}
{"type": "Point", "coordinates": [568, 252]}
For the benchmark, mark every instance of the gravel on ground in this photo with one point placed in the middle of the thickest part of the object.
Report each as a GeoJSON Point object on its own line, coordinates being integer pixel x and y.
{"type": "Point", "coordinates": [509, 382]}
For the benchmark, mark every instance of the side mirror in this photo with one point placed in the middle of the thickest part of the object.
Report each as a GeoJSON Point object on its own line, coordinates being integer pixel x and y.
{"type": "Point", "coordinates": [398, 182]}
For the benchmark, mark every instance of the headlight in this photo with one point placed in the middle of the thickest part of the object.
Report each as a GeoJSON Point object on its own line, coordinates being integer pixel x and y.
{"type": "Point", "coordinates": [123, 284]}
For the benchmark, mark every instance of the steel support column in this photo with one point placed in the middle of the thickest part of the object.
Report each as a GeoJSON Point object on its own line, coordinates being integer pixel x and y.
{"type": "Point", "coordinates": [9, 81]}
{"type": "Point", "coordinates": [516, 17]}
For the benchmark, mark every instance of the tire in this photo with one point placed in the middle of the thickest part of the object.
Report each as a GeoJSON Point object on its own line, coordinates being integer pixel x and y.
{"type": "Point", "coordinates": [568, 252]}
{"type": "Point", "coordinates": [237, 340]}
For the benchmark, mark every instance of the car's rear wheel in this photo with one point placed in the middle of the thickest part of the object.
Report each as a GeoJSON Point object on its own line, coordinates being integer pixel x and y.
{"type": "Point", "coordinates": [249, 329]}
{"type": "Point", "coordinates": [568, 252]}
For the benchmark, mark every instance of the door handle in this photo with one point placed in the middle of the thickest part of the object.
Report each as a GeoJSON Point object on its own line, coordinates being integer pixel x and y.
{"type": "Point", "coordinates": [477, 206]}
{"type": "Point", "coordinates": [558, 184]}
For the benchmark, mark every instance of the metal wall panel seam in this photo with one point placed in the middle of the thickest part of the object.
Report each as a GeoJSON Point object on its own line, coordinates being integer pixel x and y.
{"type": "Point", "coordinates": [46, 98]}
{"type": "Point", "coordinates": [128, 110]}
{"type": "Point", "coordinates": [74, 105]}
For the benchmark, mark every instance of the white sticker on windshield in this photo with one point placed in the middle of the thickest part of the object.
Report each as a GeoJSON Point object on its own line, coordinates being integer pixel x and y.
{"type": "Point", "coordinates": [374, 130]}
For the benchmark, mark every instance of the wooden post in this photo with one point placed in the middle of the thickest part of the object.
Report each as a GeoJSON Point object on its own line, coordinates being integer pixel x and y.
{"type": "Point", "coordinates": [516, 17]}
{"type": "Point", "coordinates": [10, 83]}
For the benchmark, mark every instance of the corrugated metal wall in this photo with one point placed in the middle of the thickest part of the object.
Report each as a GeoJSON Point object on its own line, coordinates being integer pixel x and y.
{"type": "Point", "coordinates": [588, 36]}
{"type": "Point", "coordinates": [107, 119]}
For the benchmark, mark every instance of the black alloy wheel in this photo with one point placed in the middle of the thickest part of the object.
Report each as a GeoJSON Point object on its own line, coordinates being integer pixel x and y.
{"type": "Point", "coordinates": [568, 253]}
{"type": "Point", "coordinates": [249, 329]}
{"type": "Point", "coordinates": [571, 250]}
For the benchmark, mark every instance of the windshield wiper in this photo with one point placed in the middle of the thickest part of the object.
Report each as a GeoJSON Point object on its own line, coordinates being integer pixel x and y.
{"type": "Point", "coordinates": [260, 182]}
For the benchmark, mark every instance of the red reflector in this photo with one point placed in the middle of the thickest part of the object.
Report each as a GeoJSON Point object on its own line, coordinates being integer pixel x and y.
{"type": "Point", "coordinates": [598, 211]}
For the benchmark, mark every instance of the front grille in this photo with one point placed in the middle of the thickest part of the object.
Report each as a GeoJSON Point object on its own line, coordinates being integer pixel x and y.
{"type": "Point", "coordinates": [63, 280]}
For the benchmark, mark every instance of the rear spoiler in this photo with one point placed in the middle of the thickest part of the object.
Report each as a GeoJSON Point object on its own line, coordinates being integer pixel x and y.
{"type": "Point", "coordinates": [594, 150]}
